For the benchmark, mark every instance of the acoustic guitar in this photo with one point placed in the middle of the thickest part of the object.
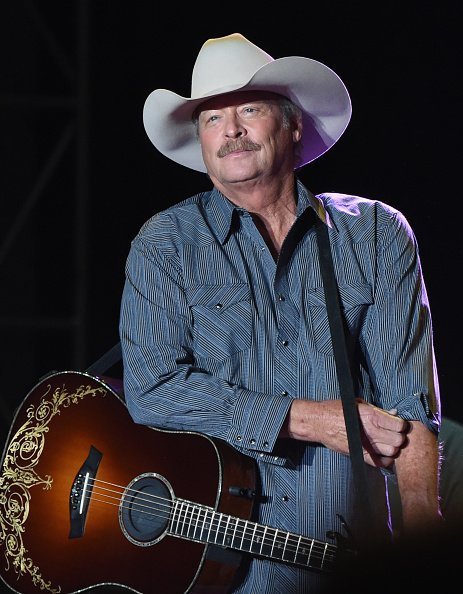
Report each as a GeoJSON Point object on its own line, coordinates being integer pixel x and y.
{"type": "Point", "coordinates": [90, 498]}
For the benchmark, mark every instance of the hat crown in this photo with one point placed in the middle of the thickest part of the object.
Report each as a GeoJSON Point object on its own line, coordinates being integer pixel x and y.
{"type": "Point", "coordinates": [224, 64]}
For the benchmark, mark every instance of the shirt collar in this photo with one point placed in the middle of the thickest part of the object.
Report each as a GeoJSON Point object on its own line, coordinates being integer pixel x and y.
{"type": "Point", "coordinates": [223, 213]}
{"type": "Point", "coordinates": [306, 199]}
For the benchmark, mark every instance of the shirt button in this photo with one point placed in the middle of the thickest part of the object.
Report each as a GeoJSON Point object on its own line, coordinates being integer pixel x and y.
{"type": "Point", "coordinates": [281, 297]}
{"type": "Point", "coordinates": [238, 438]}
{"type": "Point", "coordinates": [265, 444]}
{"type": "Point", "coordinates": [284, 342]}
{"type": "Point", "coordinates": [285, 498]}
{"type": "Point", "coordinates": [252, 441]}
{"type": "Point", "coordinates": [218, 306]}
{"type": "Point", "coordinates": [284, 393]}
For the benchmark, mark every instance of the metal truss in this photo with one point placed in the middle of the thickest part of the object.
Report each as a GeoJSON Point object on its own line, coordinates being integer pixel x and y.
{"type": "Point", "coordinates": [44, 110]}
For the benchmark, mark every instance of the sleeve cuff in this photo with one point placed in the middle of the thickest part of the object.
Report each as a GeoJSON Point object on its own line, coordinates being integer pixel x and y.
{"type": "Point", "coordinates": [257, 421]}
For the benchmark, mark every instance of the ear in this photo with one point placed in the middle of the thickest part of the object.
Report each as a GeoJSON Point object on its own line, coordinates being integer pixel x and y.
{"type": "Point", "coordinates": [297, 130]}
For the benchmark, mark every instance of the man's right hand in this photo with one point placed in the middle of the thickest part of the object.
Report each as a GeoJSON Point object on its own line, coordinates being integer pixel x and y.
{"type": "Point", "coordinates": [383, 433]}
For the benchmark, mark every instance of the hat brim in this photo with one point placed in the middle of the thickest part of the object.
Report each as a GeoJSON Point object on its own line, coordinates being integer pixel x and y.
{"type": "Point", "coordinates": [314, 87]}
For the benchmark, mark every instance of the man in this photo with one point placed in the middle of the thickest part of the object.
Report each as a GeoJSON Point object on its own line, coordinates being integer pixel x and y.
{"type": "Point", "coordinates": [224, 325]}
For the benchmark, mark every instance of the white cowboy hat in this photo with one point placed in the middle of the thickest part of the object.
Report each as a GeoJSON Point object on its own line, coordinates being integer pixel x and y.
{"type": "Point", "coordinates": [233, 63]}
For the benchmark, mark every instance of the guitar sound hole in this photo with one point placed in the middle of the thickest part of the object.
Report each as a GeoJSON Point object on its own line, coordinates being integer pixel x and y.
{"type": "Point", "coordinates": [145, 509]}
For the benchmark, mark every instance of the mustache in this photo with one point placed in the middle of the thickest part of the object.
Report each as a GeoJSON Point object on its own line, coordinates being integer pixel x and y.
{"type": "Point", "coordinates": [237, 145]}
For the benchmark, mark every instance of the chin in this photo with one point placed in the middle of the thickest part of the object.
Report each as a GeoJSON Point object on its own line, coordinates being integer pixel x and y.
{"type": "Point", "coordinates": [238, 174]}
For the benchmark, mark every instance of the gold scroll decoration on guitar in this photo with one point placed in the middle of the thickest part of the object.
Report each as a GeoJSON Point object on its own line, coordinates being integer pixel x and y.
{"type": "Point", "coordinates": [60, 419]}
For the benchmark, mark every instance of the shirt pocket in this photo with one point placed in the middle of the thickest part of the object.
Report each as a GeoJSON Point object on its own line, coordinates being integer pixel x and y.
{"type": "Point", "coordinates": [355, 300]}
{"type": "Point", "coordinates": [222, 320]}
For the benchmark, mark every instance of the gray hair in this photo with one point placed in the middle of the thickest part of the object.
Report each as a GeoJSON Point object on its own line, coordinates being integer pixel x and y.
{"type": "Point", "coordinates": [291, 113]}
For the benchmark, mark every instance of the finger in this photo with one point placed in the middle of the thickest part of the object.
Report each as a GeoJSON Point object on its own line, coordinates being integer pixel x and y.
{"type": "Point", "coordinates": [379, 461]}
{"type": "Point", "coordinates": [392, 422]}
{"type": "Point", "coordinates": [389, 445]}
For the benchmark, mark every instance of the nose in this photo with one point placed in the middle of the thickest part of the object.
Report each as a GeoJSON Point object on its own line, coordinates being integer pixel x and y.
{"type": "Point", "coordinates": [233, 126]}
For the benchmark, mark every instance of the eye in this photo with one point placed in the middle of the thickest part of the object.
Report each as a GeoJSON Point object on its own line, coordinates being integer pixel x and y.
{"type": "Point", "coordinates": [212, 118]}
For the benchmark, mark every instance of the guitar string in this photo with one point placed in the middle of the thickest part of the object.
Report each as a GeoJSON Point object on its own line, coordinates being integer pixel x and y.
{"type": "Point", "coordinates": [324, 557]}
{"type": "Point", "coordinates": [164, 508]}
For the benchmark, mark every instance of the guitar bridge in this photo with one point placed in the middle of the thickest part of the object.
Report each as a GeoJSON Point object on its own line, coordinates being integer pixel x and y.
{"type": "Point", "coordinates": [81, 492]}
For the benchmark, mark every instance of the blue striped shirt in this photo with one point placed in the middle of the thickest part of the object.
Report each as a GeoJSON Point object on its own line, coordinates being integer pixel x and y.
{"type": "Point", "coordinates": [218, 338]}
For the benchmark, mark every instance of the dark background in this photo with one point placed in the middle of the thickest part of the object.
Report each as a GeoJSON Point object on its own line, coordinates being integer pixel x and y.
{"type": "Point", "coordinates": [79, 175]}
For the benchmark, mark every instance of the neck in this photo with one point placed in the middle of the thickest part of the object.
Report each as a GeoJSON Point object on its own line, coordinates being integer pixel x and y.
{"type": "Point", "coordinates": [272, 206]}
{"type": "Point", "coordinates": [263, 195]}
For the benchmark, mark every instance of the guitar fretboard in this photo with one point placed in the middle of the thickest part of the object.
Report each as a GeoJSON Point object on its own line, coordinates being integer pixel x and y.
{"type": "Point", "coordinates": [203, 524]}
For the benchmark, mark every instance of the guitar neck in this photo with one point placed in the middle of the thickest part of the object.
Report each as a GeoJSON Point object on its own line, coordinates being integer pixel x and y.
{"type": "Point", "coordinates": [203, 524]}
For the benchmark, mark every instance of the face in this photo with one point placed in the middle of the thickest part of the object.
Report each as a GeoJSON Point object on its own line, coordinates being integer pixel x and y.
{"type": "Point", "coordinates": [244, 139]}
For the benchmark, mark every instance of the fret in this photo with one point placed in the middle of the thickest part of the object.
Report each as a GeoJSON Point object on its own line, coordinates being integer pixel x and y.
{"type": "Point", "coordinates": [284, 547]}
{"type": "Point", "coordinates": [252, 539]}
{"type": "Point", "coordinates": [217, 530]}
{"type": "Point", "coordinates": [323, 558]}
{"type": "Point", "coordinates": [193, 520]}
{"type": "Point", "coordinates": [204, 526]}
{"type": "Point", "coordinates": [172, 516]}
{"type": "Point", "coordinates": [209, 525]}
{"type": "Point", "coordinates": [267, 542]}
{"type": "Point", "coordinates": [263, 541]}
{"type": "Point", "coordinates": [226, 539]}
{"type": "Point", "coordinates": [181, 517]}
{"type": "Point", "coordinates": [279, 544]}
{"type": "Point", "coordinates": [244, 532]}
{"type": "Point", "coordinates": [177, 512]}
{"type": "Point", "coordinates": [297, 548]}
{"type": "Point", "coordinates": [310, 552]}
{"type": "Point", "coordinates": [330, 558]}
{"type": "Point", "coordinates": [189, 514]}
{"type": "Point", "coordinates": [234, 535]}
{"type": "Point", "coordinates": [198, 517]}
{"type": "Point", "coordinates": [273, 543]}
{"type": "Point", "coordinates": [277, 550]}
{"type": "Point", "coordinates": [184, 524]}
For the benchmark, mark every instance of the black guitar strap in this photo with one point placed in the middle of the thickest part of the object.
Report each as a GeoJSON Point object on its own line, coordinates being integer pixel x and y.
{"type": "Point", "coordinates": [106, 361]}
{"type": "Point", "coordinates": [343, 369]}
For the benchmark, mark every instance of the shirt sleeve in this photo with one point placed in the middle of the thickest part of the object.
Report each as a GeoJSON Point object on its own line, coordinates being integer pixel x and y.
{"type": "Point", "coordinates": [398, 340]}
{"type": "Point", "coordinates": [162, 386]}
